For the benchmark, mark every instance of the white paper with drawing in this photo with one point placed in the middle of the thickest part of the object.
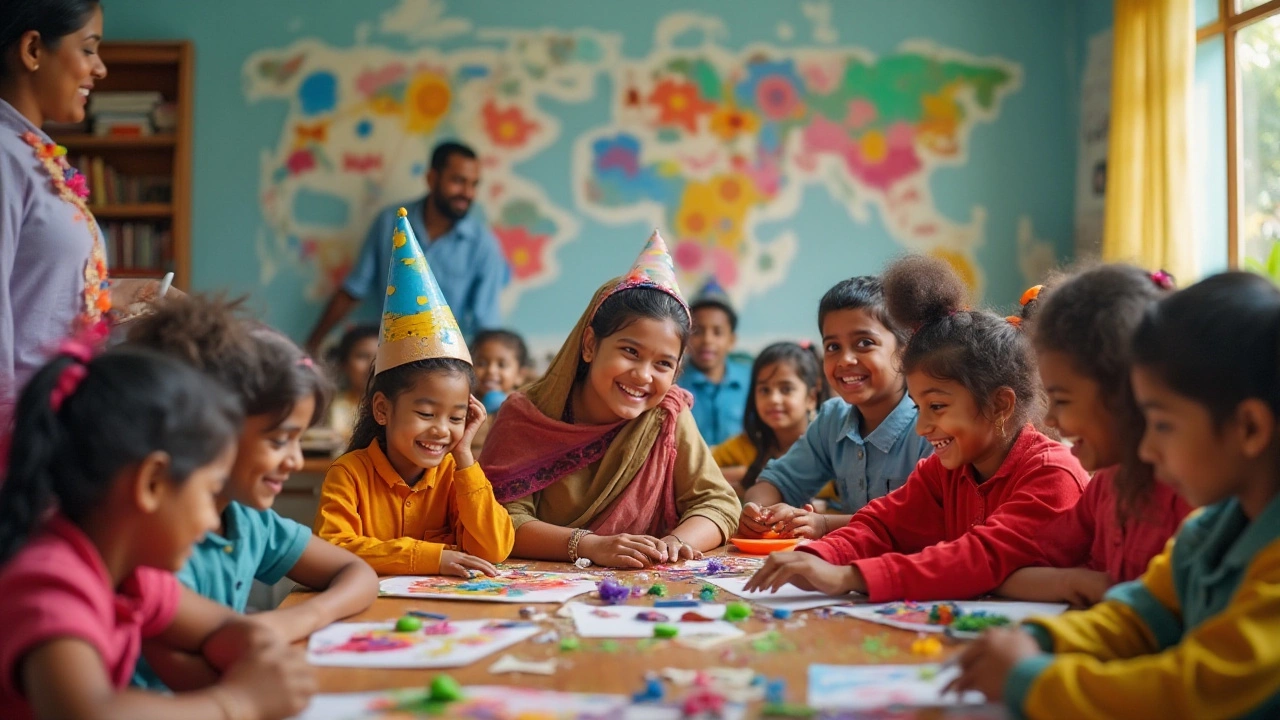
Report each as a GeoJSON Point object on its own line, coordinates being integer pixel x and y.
{"type": "Point", "coordinates": [635, 621]}
{"type": "Point", "coordinates": [789, 597]}
{"type": "Point", "coordinates": [865, 687]}
{"type": "Point", "coordinates": [436, 645]}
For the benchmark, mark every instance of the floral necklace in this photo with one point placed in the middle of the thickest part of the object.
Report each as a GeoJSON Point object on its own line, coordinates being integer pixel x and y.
{"type": "Point", "coordinates": [69, 184]}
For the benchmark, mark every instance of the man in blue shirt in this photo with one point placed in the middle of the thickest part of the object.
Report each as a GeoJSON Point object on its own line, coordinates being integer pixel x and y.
{"type": "Point", "coordinates": [463, 253]}
{"type": "Point", "coordinates": [719, 384]}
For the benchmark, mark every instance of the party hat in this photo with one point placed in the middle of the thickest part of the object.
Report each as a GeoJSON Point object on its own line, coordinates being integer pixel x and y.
{"type": "Point", "coordinates": [417, 323]}
{"type": "Point", "coordinates": [712, 294]}
{"type": "Point", "coordinates": [654, 269]}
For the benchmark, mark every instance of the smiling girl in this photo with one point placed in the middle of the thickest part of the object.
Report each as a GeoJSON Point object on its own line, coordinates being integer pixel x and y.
{"type": "Point", "coordinates": [967, 517]}
{"type": "Point", "coordinates": [601, 459]}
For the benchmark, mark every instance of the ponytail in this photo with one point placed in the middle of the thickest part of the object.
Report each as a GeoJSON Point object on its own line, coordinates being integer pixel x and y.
{"type": "Point", "coordinates": [81, 421]}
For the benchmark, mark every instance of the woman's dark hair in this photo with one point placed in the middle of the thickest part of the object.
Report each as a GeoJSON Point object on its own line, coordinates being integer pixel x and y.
{"type": "Point", "coordinates": [513, 341]}
{"type": "Point", "coordinates": [53, 19]}
{"type": "Point", "coordinates": [1090, 319]}
{"type": "Point", "coordinates": [265, 369]}
{"type": "Point", "coordinates": [621, 309]}
{"type": "Point", "coordinates": [979, 350]}
{"type": "Point", "coordinates": [129, 404]}
{"type": "Point", "coordinates": [806, 365]}
{"type": "Point", "coordinates": [392, 383]}
{"type": "Point", "coordinates": [357, 334]}
{"type": "Point", "coordinates": [865, 292]}
{"type": "Point", "coordinates": [1217, 342]}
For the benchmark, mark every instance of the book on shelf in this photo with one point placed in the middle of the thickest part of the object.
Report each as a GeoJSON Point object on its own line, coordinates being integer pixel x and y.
{"type": "Point", "coordinates": [108, 186]}
{"type": "Point", "coordinates": [139, 246]}
{"type": "Point", "coordinates": [124, 114]}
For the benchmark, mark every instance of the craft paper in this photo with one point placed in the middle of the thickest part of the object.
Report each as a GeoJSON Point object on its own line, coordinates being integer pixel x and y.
{"type": "Point", "coordinates": [719, 566]}
{"type": "Point", "coordinates": [378, 645]}
{"type": "Point", "coordinates": [620, 621]}
{"type": "Point", "coordinates": [512, 586]}
{"type": "Point", "coordinates": [877, 686]}
{"type": "Point", "coordinates": [486, 702]}
{"type": "Point", "coordinates": [915, 616]}
{"type": "Point", "coordinates": [788, 597]}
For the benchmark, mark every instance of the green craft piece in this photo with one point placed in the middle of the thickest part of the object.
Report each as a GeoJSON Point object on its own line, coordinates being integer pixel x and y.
{"type": "Point", "coordinates": [658, 590]}
{"type": "Point", "coordinates": [979, 622]}
{"type": "Point", "coordinates": [665, 630]}
{"type": "Point", "coordinates": [609, 646]}
{"type": "Point", "coordinates": [569, 643]}
{"type": "Point", "coordinates": [928, 672]}
{"type": "Point", "coordinates": [445, 689]}
{"type": "Point", "coordinates": [408, 624]}
{"type": "Point", "coordinates": [737, 611]}
{"type": "Point", "coordinates": [879, 646]}
{"type": "Point", "coordinates": [773, 641]}
{"type": "Point", "coordinates": [787, 710]}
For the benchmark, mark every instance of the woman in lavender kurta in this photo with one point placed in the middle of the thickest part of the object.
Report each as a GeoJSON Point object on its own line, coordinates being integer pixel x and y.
{"type": "Point", "coordinates": [53, 274]}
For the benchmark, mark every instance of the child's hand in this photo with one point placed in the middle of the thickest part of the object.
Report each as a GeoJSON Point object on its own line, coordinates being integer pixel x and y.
{"type": "Point", "coordinates": [807, 572]}
{"type": "Point", "coordinates": [987, 662]}
{"type": "Point", "coordinates": [801, 523]}
{"type": "Point", "coordinates": [453, 562]}
{"type": "Point", "coordinates": [237, 639]}
{"type": "Point", "coordinates": [754, 521]}
{"type": "Point", "coordinates": [623, 550]}
{"type": "Point", "coordinates": [1082, 587]}
{"type": "Point", "coordinates": [271, 682]}
{"type": "Point", "coordinates": [476, 414]}
{"type": "Point", "coordinates": [677, 550]}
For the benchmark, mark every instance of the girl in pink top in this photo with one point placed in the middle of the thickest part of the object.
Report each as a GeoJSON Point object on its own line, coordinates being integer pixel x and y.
{"type": "Point", "coordinates": [1082, 334]}
{"type": "Point", "coordinates": [115, 463]}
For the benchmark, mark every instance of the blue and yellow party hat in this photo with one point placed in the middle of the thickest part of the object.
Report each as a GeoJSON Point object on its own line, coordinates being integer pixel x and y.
{"type": "Point", "coordinates": [654, 269]}
{"type": "Point", "coordinates": [417, 323]}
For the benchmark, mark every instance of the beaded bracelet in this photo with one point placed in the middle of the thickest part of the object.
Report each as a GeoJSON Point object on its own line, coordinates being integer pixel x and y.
{"type": "Point", "coordinates": [574, 539]}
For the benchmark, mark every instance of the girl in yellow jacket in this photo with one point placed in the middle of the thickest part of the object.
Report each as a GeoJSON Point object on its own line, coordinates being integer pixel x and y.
{"type": "Point", "coordinates": [408, 496]}
{"type": "Point", "coordinates": [1197, 636]}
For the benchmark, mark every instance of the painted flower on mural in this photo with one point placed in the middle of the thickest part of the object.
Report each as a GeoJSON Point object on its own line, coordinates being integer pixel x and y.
{"type": "Point", "coordinates": [300, 161]}
{"type": "Point", "coordinates": [679, 104]}
{"type": "Point", "coordinates": [426, 102]}
{"type": "Point", "coordinates": [688, 255]}
{"type": "Point", "coordinates": [507, 127]}
{"type": "Point", "coordinates": [729, 122]}
{"type": "Point", "coordinates": [862, 112]}
{"type": "Point", "coordinates": [774, 88]}
{"type": "Point", "coordinates": [370, 82]}
{"type": "Point", "coordinates": [523, 249]}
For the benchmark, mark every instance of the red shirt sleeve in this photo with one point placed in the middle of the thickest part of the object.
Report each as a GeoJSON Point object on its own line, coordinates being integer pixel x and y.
{"type": "Point", "coordinates": [913, 511]}
{"type": "Point", "coordinates": [1068, 541]}
{"type": "Point", "coordinates": [979, 560]}
{"type": "Point", "coordinates": [160, 593]}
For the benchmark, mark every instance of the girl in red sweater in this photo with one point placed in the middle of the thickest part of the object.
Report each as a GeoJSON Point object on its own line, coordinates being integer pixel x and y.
{"type": "Point", "coordinates": [1082, 339]}
{"type": "Point", "coordinates": [968, 516]}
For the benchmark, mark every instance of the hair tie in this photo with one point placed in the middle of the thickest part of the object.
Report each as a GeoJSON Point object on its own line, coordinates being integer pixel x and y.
{"type": "Point", "coordinates": [306, 362]}
{"type": "Point", "coordinates": [1032, 293]}
{"type": "Point", "coordinates": [68, 380]}
{"type": "Point", "coordinates": [81, 348]}
{"type": "Point", "coordinates": [805, 344]}
{"type": "Point", "coordinates": [1015, 321]}
{"type": "Point", "coordinates": [1162, 279]}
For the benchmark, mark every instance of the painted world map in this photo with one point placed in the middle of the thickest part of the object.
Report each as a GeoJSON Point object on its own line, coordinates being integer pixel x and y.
{"type": "Point", "coordinates": [705, 142]}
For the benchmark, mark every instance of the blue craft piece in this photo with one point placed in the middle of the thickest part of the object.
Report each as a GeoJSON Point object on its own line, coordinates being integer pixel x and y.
{"type": "Point", "coordinates": [775, 692]}
{"type": "Point", "coordinates": [653, 691]}
{"type": "Point", "coordinates": [781, 614]}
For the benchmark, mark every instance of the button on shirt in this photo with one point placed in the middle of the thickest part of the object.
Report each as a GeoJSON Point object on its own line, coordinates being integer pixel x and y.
{"type": "Point", "coordinates": [864, 468]}
{"type": "Point", "coordinates": [718, 407]}
{"type": "Point", "coordinates": [467, 263]}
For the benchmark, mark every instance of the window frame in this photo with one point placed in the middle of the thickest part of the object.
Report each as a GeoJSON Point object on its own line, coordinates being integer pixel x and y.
{"type": "Point", "coordinates": [1228, 23]}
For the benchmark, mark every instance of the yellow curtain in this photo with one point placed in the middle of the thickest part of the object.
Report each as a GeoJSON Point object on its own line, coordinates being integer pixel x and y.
{"type": "Point", "coordinates": [1149, 197]}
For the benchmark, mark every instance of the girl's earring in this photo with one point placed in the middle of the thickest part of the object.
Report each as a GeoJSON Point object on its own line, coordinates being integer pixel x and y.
{"type": "Point", "coordinates": [1000, 427]}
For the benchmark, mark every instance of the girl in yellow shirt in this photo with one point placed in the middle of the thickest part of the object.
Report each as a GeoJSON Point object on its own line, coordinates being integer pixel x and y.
{"type": "Point", "coordinates": [787, 387]}
{"type": "Point", "coordinates": [408, 496]}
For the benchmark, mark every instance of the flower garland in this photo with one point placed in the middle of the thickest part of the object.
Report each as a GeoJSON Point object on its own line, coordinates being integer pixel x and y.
{"type": "Point", "coordinates": [70, 185]}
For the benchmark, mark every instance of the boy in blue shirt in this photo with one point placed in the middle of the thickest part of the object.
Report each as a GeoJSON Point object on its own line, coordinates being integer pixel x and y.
{"type": "Point", "coordinates": [865, 438]}
{"type": "Point", "coordinates": [719, 384]}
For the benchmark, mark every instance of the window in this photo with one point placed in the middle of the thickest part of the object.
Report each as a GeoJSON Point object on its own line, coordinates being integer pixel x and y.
{"type": "Point", "coordinates": [1236, 134]}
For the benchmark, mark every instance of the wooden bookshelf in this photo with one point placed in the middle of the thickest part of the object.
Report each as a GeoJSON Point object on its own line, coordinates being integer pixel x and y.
{"type": "Point", "coordinates": [165, 67]}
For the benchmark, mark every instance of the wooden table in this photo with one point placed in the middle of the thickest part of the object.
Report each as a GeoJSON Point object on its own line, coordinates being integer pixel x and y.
{"type": "Point", "coordinates": [839, 640]}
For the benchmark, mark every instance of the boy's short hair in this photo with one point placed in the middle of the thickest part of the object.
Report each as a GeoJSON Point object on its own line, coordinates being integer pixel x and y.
{"type": "Point", "coordinates": [718, 304]}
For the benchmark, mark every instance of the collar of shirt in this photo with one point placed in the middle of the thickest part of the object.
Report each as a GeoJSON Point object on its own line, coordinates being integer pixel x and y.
{"type": "Point", "coordinates": [736, 375]}
{"type": "Point", "coordinates": [1027, 436]}
{"type": "Point", "coordinates": [382, 467]}
{"type": "Point", "coordinates": [468, 228]}
{"type": "Point", "coordinates": [230, 526]}
{"type": "Point", "coordinates": [11, 118]}
{"type": "Point", "coordinates": [127, 597]}
{"type": "Point", "coordinates": [1226, 548]}
{"type": "Point", "coordinates": [887, 432]}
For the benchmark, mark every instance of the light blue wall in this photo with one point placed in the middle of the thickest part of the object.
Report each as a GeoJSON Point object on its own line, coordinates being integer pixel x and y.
{"type": "Point", "coordinates": [1020, 165]}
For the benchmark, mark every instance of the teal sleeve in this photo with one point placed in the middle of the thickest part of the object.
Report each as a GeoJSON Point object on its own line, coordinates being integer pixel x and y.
{"type": "Point", "coordinates": [1041, 636]}
{"type": "Point", "coordinates": [1021, 679]}
{"type": "Point", "coordinates": [1165, 627]}
{"type": "Point", "coordinates": [285, 541]}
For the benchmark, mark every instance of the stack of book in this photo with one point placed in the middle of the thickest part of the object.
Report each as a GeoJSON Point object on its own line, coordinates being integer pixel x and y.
{"type": "Point", "coordinates": [123, 113]}
{"type": "Point", "coordinates": [139, 246]}
{"type": "Point", "coordinates": [107, 186]}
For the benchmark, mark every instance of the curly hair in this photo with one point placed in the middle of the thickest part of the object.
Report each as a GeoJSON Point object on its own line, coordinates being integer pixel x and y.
{"type": "Point", "coordinates": [981, 351]}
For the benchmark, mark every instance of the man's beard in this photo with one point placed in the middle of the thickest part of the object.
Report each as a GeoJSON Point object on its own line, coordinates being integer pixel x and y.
{"type": "Point", "coordinates": [446, 208]}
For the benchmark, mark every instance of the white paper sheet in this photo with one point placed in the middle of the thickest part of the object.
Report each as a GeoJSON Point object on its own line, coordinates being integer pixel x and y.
{"type": "Point", "coordinates": [915, 612]}
{"type": "Point", "coordinates": [789, 597]}
{"type": "Point", "coordinates": [377, 645]}
{"type": "Point", "coordinates": [619, 621]}
{"type": "Point", "coordinates": [866, 687]}
{"type": "Point", "coordinates": [511, 586]}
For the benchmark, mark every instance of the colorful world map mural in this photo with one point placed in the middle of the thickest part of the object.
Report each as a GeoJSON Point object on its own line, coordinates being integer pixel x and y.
{"type": "Point", "coordinates": [704, 142]}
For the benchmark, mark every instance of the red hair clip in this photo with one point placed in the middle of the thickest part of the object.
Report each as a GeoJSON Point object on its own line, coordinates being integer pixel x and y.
{"type": "Point", "coordinates": [1032, 293]}
{"type": "Point", "coordinates": [1162, 279]}
{"type": "Point", "coordinates": [1015, 321]}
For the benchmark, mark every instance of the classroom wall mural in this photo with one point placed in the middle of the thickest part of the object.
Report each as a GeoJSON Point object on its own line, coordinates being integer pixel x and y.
{"type": "Point", "coordinates": [779, 147]}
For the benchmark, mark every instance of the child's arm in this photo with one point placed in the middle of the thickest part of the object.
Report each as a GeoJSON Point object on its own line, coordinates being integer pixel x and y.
{"type": "Point", "coordinates": [974, 563]}
{"type": "Point", "coordinates": [791, 479]}
{"type": "Point", "coordinates": [482, 525]}
{"type": "Point", "coordinates": [347, 583]}
{"type": "Point", "coordinates": [708, 507]}
{"type": "Point", "coordinates": [1079, 586]}
{"type": "Point", "coordinates": [338, 521]}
